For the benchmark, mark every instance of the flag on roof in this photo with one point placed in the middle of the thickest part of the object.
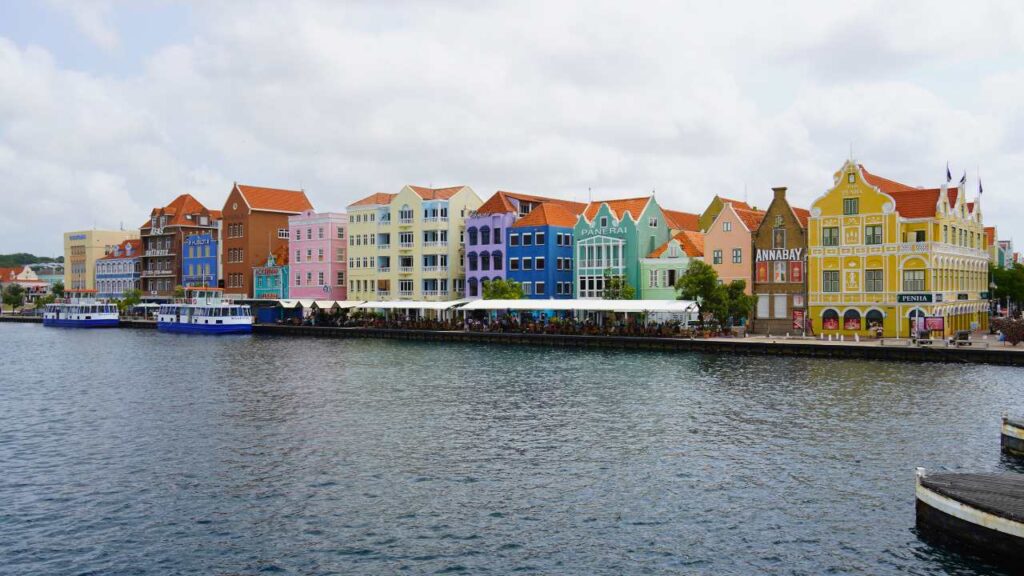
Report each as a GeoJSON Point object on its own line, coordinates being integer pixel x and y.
{"type": "Point", "coordinates": [980, 189]}
{"type": "Point", "coordinates": [949, 176]}
{"type": "Point", "coordinates": [963, 179]}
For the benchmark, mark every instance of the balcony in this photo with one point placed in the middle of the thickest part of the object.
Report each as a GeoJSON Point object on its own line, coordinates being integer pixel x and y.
{"type": "Point", "coordinates": [405, 269]}
{"type": "Point", "coordinates": [443, 269]}
{"type": "Point", "coordinates": [405, 245]}
{"type": "Point", "coordinates": [154, 273]}
{"type": "Point", "coordinates": [405, 293]}
{"type": "Point", "coordinates": [383, 293]}
{"type": "Point", "coordinates": [430, 268]}
{"type": "Point", "coordinates": [383, 246]}
{"type": "Point", "coordinates": [431, 244]}
{"type": "Point", "coordinates": [384, 222]}
{"type": "Point", "coordinates": [405, 221]}
{"type": "Point", "coordinates": [384, 269]}
{"type": "Point", "coordinates": [158, 253]}
{"type": "Point", "coordinates": [429, 293]}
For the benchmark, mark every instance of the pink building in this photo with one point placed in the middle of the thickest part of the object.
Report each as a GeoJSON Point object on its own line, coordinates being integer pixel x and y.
{"type": "Point", "coordinates": [317, 258]}
{"type": "Point", "coordinates": [727, 244]}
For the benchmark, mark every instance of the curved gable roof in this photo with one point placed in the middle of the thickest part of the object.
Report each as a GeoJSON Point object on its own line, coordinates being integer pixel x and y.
{"type": "Point", "coordinates": [619, 208]}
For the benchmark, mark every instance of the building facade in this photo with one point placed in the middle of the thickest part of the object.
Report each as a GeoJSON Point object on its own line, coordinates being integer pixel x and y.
{"type": "Point", "coordinates": [408, 246]}
{"type": "Point", "coordinates": [780, 268]}
{"type": "Point", "coordinates": [163, 239]}
{"type": "Point", "coordinates": [25, 277]}
{"type": "Point", "coordinates": [120, 270]}
{"type": "Point", "coordinates": [708, 216]}
{"type": "Point", "coordinates": [610, 239]}
{"type": "Point", "coordinates": [255, 225]}
{"type": "Point", "coordinates": [270, 281]}
{"type": "Point", "coordinates": [539, 252]}
{"type": "Point", "coordinates": [200, 264]}
{"type": "Point", "coordinates": [486, 246]}
{"type": "Point", "coordinates": [81, 251]}
{"type": "Point", "coordinates": [317, 255]}
{"type": "Point", "coordinates": [727, 244]}
{"type": "Point", "coordinates": [889, 254]}
{"type": "Point", "coordinates": [661, 269]}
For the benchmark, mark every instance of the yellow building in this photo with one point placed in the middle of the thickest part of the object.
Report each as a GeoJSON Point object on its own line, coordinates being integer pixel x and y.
{"type": "Point", "coordinates": [408, 246]}
{"type": "Point", "coordinates": [81, 251]}
{"type": "Point", "coordinates": [882, 253]}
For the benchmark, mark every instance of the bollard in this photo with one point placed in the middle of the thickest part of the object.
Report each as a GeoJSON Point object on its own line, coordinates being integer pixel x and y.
{"type": "Point", "coordinates": [856, 338]}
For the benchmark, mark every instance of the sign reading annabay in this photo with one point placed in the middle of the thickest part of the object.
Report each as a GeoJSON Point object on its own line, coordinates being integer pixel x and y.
{"type": "Point", "coordinates": [770, 254]}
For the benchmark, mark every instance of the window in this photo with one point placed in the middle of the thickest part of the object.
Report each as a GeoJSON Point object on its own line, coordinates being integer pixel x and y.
{"type": "Point", "coordinates": [716, 257]}
{"type": "Point", "coordinates": [652, 278]}
{"type": "Point", "coordinates": [604, 221]}
{"type": "Point", "coordinates": [320, 255]}
{"type": "Point", "coordinates": [779, 237]}
{"type": "Point", "coordinates": [527, 264]}
{"type": "Point", "coordinates": [539, 238]}
{"type": "Point", "coordinates": [913, 280]}
{"type": "Point", "coordinates": [918, 237]}
{"type": "Point", "coordinates": [472, 261]}
{"type": "Point", "coordinates": [320, 233]}
{"type": "Point", "coordinates": [653, 222]}
{"type": "Point", "coordinates": [851, 178]}
{"type": "Point", "coordinates": [540, 263]}
{"type": "Point", "coordinates": [497, 235]}
{"type": "Point", "coordinates": [513, 239]}
{"type": "Point", "coordinates": [830, 236]}
{"type": "Point", "coordinates": [472, 235]}
{"type": "Point", "coordinates": [341, 233]}
{"type": "Point", "coordinates": [778, 222]}
{"type": "Point", "coordinates": [737, 256]}
{"type": "Point", "coordinates": [485, 235]}
{"type": "Point", "coordinates": [873, 234]}
{"type": "Point", "coordinates": [496, 258]}
{"type": "Point", "coordinates": [779, 308]}
{"type": "Point", "coordinates": [309, 278]}
{"type": "Point", "coordinates": [527, 239]}
{"type": "Point", "coordinates": [873, 280]}
{"type": "Point", "coordinates": [726, 226]}
{"type": "Point", "coordinates": [851, 206]}
{"type": "Point", "coordinates": [319, 278]}
{"type": "Point", "coordinates": [485, 261]}
{"type": "Point", "coordinates": [298, 279]}
{"type": "Point", "coordinates": [309, 233]}
{"type": "Point", "coordinates": [527, 288]}
{"type": "Point", "coordinates": [513, 263]}
{"type": "Point", "coordinates": [538, 288]}
{"type": "Point", "coordinates": [830, 281]}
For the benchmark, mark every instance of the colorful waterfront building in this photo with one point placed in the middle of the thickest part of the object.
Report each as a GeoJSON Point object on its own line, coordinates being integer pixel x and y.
{"type": "Point", "coordinates": [120, 270]}
{"type": "Point", "coordinates": [81, 251]}
{"type": "Point", "coordinates": [25, 277]}
{"type": "Point", "coordinates": [200, 255]}
{"type": "Point", "coordinates": [487, 227]}
{"type": "Point", "coordinates": [727, 243]}
{"type": "Point", "coordinates": [49, 272]}
{"type": "Point", "coordinates": [660, 270]}
{"type": "Point", "coordinates": [317, 254]}
{"type": "Point", "coordinates": [611, 237]}
{"type": "Point", "coordinates": [270, 281]}
{"type": "Point", "coordinates": [539, 252]}
{"type": "Point", "coordinates": [780, 268]}
{"type": "Point", "coordinates": [906, 258]}
{"type": "Point", "coordinates": [708, 216]}
{"type": "Point", "coordinates": [255, 225]}
{"type": "Point", "coordinates": [408, 246]}
{"type": "Point", "coordinates": [163, 239]}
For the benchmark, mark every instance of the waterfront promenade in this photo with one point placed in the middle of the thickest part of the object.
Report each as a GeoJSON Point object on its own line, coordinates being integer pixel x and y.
{"type": "Point", "coordinates": [983, 351]}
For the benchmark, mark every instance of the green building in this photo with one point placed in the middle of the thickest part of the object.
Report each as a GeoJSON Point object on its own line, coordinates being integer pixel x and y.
{"type": "Point", "coordinates": [662, 267]}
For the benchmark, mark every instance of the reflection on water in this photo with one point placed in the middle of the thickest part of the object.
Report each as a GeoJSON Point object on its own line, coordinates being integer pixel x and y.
{"type": "Point", "coordinates": [138, 452]}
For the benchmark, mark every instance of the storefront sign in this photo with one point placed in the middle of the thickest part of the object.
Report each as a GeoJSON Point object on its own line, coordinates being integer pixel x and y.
{"type": "Point", "coordinates": [76, 237]}
{"type": "Point", "coordinates": [852, 323]}
{"type": "Point", "coordinates": [198, 240]}
{"type": "Point", "coordinates": [938, 297]}
{"type": "Point", "coordinates": [961, 296]}
{"type": "Point", "coordinates": [798, 319]}
{"type": "Point", "coordinates": [772, 254]}
{"type": "Point", "coordinates": [936, 323]}
{"type": "Point", "coordinates": [798, 300]}
{"type": "Point", "coordinates": [604, 231]}
{"type": "Point", "coordinates": [762, 272]}
{"type": "Point", "coordinates": [913, 298]}
{"type": "Point", "coordinates": [985, 295]}
{"type": "Point", "coordinates": [796, 271]}
{"type": "Point", "coordinates": [830, 323]}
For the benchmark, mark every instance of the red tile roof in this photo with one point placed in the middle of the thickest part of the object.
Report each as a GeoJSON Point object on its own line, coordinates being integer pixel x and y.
{"type": "Point", "coordinates": [274, 199]}
{"type": "Point", "coordinates": [122, 248]}
{"type": "Point", "coordinates": [177, 211]}
{"type": "Point", "coordinates": [970, 207]}
{"type": "Point", "coordinates": [911, 202]}
{"type": "Point", "coordinates": [952, 193]}
{"type": "Point", "coordinates": [884, 184]}
{"type": "Point", "coordinates": [691, 241]}
{"type": "Point", "coordinates": [802, 214]}
{"type": "Point", "coordinates": [681, 220]}
{"type": "Point", "coordinates": [736, 203]}
{"type": "Point", "coordinates": [500, 203]}
{"type": "Point", "coordinates": [751, 218]}
{"type": "Point", "coordinates": [375, 199]}
{"type": "Point", "coordinates": [990, 235]}
{"type": "Point", "coordinates": [436, 193]}
{"type": "Point", "coordinates": [635, 207]}
{"type": "Point", "coordinates": [8, 274]}
{"type": "Point", "coordinates": [548, 214]}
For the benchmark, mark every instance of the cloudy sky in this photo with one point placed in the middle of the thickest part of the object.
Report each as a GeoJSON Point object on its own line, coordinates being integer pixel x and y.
{"type": "Point", "coordinates": [108, 109]}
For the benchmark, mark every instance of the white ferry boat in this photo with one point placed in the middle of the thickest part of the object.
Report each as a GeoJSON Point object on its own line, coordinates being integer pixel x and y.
{"type": "Point", "coordinates": [80, 309]}
{"type": "Point", "coordinates": [204, 311]}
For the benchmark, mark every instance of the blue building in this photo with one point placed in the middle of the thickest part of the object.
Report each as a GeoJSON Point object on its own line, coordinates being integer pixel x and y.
{"type": "Point", "coordinates": [270, 282]}
{"type": "Point", "coordinates": [199, 259]}
{"type": "Point", "coordinates": [539, 252]}
{"type": "Point", "coordinates": [120, 270]}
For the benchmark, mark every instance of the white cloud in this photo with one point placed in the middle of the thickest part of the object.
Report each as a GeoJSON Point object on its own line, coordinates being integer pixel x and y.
{"type": "Point", "coordinates": [550, 98]}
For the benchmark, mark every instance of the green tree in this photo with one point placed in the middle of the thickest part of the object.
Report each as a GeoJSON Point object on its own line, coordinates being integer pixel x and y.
{"type": "Point", "coordinates": [58, 289]}
{"type": "Point", "coordinates": [700, 283]}
{"type": "Point", "coordinates": [739, 304]}
{"type": "Point", "coordinates": [502, 289]}
{"type": "Point", "coordinates": [42, 301]}
{"type": "Point", "coordinates": [1009, 283]}
{"type": "Point", "coordinates": [179, 292]}
{"type": "Point", "coordinates": [14, 296]}
{"type": "Point", "coordinates": [616, 287]}
{"type": "Point", "coordinates": [130, 298]}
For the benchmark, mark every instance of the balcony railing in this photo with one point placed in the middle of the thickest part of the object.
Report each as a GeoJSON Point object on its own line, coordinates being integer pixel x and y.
{"type": "Point", "coordinates": [383, 246]}
{"type": "Point", "coordinates": [430, 268]}
{"type": "Point", "coordinates": [158, 252]}
{"type": "Point", "coordinates": [405, 244]}
{"type": "Point", "coordinates": [442, 269]}
{"type": "Point", "coordinates": [405, 220]}
{"type": "Point", "coordinates": [431, 243]}
{"type": "Point", "coordinates": [151, 273]}
{"type": "Point", "coordinates": [430, 292]}
{"type": "Point", "coordinates": [405, 269]}
{"type": "Point", "coordinates": [383, 293]}
{"type": "Point", "coordinates": [384, 222]}
{"type": "Point", "coordinates": [405, 293]}
{"type": "Point", "coordinates": [384, 268]}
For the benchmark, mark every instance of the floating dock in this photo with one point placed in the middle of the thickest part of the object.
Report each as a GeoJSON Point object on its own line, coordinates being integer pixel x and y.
{"type": "Point", "coordinates": [978, 514]}
{"type": "Point", "coordinates": [1013, 436]}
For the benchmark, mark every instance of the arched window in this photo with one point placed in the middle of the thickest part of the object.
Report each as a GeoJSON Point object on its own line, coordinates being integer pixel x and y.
{"type": "Point", "coordinates": [485, 261]}
{"type": "Point", "coordinates": [496, 257]}
{"type": "Point", "coordinates": [472, 261]}
{"type": "Point", "coordinates": [471, 233]}
{"type": "Point", "coordinates": [851, 320]}
{"type": "Point", "coordinates": [485, 235]}
{"type": "Point", "coordinates": [830, 320]}
{"type": "Point", "coordinates": [473, 288]}
{"type": "Point", "coordinates": [873, 318]}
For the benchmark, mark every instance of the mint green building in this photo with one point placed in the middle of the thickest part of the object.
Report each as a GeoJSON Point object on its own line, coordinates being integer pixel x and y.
{"type": "Point", "coordinates": [660, 270]}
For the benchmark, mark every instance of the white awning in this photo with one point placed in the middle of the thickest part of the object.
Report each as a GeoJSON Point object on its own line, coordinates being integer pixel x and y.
{"type": "Point", "coordinates": [586, 305]}
{"type": "Point", "coordinates": [324, 304]}
{"type": "Point", "coordinates": [348, 303]}
{"type": "Point", "coordinates": [306, 303]}
{"type": "Point", "coordinates": [288, 303]}
{"type": "Point", "coordinates": [411, 305]}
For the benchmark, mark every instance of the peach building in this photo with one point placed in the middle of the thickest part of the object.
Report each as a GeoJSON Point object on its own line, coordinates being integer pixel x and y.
{"type": "Point", "coordinates": [728, 243]}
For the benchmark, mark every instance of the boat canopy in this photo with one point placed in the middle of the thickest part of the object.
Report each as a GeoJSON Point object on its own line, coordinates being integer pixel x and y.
{"type": "Point", "coordinates": [586, 305]}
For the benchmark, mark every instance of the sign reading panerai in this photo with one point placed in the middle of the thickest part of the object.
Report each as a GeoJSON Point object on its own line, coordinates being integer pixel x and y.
{"type": "Point", "coordinates": [914, 298]}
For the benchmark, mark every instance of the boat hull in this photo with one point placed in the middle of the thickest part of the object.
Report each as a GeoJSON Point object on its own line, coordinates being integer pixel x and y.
{"type": "Point", "coordinates": [1013, 437]}
{"type": "Point", "coordinates": [182, 328]}
{"type": "Point", "coordinates": [91, 323]}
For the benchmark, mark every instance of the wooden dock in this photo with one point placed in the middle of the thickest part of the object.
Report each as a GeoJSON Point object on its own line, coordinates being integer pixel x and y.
{"type": "Point", "coordinates": [978, 514]}
{"type": "Point", "coordinates": [1012, 435]}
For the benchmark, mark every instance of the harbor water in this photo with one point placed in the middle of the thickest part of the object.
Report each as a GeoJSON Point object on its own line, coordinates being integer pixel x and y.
{"type": "Point", "coordinates": [139, 452]}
